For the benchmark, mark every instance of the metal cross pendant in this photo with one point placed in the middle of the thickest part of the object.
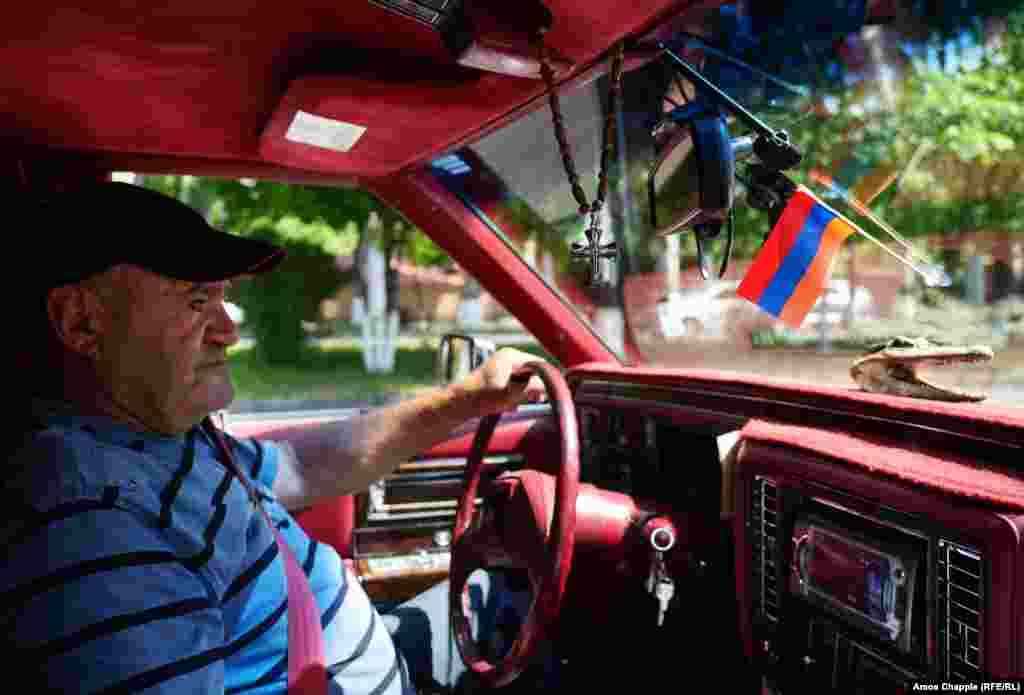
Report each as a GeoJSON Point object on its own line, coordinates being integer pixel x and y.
{"type": "Point", "coordinates": [594, 251]}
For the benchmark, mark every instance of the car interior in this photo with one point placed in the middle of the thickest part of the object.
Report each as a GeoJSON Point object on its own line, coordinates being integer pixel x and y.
{"type": "Point", "coordinates": [815, 537]}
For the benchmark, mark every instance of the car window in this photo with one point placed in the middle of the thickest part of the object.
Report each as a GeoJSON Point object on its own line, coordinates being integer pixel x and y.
{"type": "Point", "coordinates": [354, 314]}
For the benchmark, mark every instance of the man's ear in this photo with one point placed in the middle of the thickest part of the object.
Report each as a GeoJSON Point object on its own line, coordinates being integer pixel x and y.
{"type": "Point", "coordinates": [74, 313]}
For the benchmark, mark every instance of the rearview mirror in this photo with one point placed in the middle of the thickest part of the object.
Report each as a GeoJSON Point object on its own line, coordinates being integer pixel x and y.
{"type": "Point", "coordinates": [460, 354]}
{"type": "Point", "coordinates": [691, 183]}
{"type": "Point", "coordinates": [692, 176]}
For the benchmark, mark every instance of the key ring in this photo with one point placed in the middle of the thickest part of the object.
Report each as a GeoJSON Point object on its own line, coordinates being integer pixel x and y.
{"type": "Point", "coordinates": [665, 545]}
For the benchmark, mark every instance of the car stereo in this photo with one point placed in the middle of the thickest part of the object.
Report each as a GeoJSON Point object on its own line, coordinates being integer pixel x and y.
{"type": "Point", "coordinates": [850, 595]}
{"type": "Point", "coordinates": [866, 581]}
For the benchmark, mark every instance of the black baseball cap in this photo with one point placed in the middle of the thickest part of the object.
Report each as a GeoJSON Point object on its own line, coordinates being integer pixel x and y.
{"type": "Point", "coordinates": [99, 225]}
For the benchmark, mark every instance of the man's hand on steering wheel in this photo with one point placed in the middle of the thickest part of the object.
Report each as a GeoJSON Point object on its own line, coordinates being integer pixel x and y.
{"type": "Point", "coordinates": [492, 389]}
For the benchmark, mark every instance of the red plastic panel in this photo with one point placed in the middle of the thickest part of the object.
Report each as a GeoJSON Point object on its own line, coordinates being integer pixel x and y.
{"type": "Point", "coordinates": [941, 471]}
{"type": "Point", "coordinates": [200, 79]}
{"type": "Point", "coordinates": [331, 522]}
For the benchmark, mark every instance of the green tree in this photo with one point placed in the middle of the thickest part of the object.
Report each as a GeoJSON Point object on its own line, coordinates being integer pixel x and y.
{"type": "Point", "coordinates": [967, 114]}
{"type": "Point", "coordinates": [315, 225]}
{"type": "Point", "coordinates": [953, 133]}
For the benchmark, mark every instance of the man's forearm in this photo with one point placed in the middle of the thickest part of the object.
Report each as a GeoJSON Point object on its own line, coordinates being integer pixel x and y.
{"type": "Point", "coordinates": [346, 456]}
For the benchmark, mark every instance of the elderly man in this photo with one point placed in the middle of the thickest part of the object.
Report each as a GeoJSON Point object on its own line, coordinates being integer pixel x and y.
{"type": "Point", "coordinates": [135, 560]}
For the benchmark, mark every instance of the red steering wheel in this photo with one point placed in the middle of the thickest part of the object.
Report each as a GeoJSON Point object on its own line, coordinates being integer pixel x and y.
{"type": "Point", "coordinates": [545, 555]}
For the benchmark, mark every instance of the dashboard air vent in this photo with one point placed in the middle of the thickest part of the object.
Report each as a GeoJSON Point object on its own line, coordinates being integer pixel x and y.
{"type": "Point", "coordinates": [961, 609]}
{"type": "Point", "coordinates": [764, 521]}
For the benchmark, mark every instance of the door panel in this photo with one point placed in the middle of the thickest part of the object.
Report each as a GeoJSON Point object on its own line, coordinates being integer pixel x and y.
{"type": "Point", "coordinates": [396, 534]}
{"type": "Point", "coordinates": [330, 522]}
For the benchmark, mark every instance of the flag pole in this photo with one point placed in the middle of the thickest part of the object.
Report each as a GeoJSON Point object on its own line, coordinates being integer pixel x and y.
{"type": "Point", "coordinates": [935, 275]}
{"type": "Point", "coordinates": [932, 276]}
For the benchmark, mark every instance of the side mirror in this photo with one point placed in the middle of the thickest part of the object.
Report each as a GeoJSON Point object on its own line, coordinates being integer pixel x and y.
{"type": "Point", "coordinates": [460, 354]}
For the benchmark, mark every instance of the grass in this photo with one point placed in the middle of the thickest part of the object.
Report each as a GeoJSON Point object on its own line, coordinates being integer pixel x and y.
{"type": "Point", "coordinates": [336, 373]}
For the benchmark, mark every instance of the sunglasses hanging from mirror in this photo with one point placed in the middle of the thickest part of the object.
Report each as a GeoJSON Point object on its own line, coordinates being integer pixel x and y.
{"type": "Point", "coordinates": [693, 148]}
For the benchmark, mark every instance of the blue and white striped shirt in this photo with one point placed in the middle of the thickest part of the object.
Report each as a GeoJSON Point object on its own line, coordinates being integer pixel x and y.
{"type": "Point", "coordinates": [136, 562]}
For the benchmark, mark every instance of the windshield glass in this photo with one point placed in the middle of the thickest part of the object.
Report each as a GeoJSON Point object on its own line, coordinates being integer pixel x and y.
{"type": "Point", "coordinates": [910, 124]}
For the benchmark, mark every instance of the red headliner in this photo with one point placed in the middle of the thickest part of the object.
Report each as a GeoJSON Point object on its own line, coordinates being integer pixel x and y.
{"type": "Point", "coordinates": [194, 85]}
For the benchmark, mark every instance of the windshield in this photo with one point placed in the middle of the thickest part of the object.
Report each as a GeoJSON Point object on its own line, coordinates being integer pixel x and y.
{"type": "Point", "coordinates": [910, 126]}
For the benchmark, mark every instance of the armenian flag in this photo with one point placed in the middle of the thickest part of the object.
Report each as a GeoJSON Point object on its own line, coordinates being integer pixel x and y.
{"type": "Point", "coordinates": [790, 271]}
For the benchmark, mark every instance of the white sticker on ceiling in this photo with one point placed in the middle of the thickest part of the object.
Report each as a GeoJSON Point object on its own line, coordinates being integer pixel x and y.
{"type": "Point", "coordinates": [310, 129]}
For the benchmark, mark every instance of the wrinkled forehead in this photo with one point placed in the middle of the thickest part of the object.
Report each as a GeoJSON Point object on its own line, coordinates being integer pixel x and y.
{"type": "Point", "coordinates": [136, 278]}
{"type": "Point", "coordinates": [134, 288]}
{"type": "Point", "coordinates": [130, 281]}
{"type": "Point", "coordinates": [132, 285]}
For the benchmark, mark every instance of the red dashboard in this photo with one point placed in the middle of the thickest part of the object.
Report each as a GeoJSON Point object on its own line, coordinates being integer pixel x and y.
{"type": "Point", "coordinates": [870, 549]}
{"type": "Point", "coordinates": [960, 562]}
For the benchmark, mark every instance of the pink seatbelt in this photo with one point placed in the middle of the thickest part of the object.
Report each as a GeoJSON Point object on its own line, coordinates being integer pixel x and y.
{"type": "Point", "coordinates": [307, 669]}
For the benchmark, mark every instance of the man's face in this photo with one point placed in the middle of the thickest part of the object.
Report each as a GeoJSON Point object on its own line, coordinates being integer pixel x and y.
{"type": "Point", "coordinates": [162, 348]}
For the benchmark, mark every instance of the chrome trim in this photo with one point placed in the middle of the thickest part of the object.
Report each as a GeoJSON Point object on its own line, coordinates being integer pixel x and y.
{"type": "Point", "coordinates": [417, 478]}
{"type": "Point", "coordinates": [766, 559]}
{"type": "Point", "coordinates": [454, 461]}
{"type": "Point", "coordinates": [399, 526]}
{"type": "Point", "coordinates": [375, 496]}
{"type": "Point", "coordinates": [421, 506]}
{"type": "Point", "coordinates": [533, 408]}
{"type": "Point", "coordinates": [408, 516]}
{"type": "Point", "coordinates": [379, 510]}
{"type": "Point", "coordinates": [384, 565]}
{"type": "Point", "coordinates": [270, 416]}
{"type": "Point", "coordinates": [948, 552]}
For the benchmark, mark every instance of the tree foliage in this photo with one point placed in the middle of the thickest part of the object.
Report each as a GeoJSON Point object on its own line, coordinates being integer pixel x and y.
{"type": "Point", "coordinates": [315, 225]}
{"type": "Point", "coordinates": [933, 116]}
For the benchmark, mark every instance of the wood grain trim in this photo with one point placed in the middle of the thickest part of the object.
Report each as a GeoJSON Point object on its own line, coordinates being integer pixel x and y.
{"type": "Point", "coordinates": [421, 506]}
{"type": "Point", "coordinates": [397, 588]}
{"type": "Point", "coordinates": [366, 575]}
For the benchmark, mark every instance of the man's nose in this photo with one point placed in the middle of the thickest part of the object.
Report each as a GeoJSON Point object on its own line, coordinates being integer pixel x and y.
{"type": "Point", "coordinates": [222, 329]}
